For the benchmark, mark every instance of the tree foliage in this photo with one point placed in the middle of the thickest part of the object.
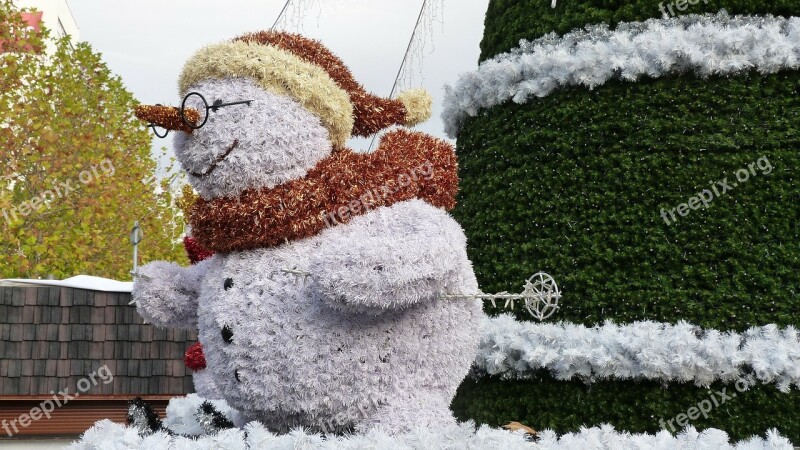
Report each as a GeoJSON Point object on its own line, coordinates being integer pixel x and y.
{"type": "Point", "coordinates": [77, 169]}
{"type": "Point", "coordinates": [574, 184]}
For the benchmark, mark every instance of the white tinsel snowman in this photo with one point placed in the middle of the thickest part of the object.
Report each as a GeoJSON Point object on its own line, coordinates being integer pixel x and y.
{"type": "Point", "coordinates": [366, 340]}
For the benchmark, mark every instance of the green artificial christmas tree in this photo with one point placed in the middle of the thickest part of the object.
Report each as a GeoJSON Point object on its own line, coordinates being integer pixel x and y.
{"type": "Point", "coordinates": [645, 155]}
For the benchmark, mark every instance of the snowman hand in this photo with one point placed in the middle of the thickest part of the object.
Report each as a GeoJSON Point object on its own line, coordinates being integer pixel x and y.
{"type": "Point", "coordinates": [166, 294]}
{"type": "Point", "coordinates": [392, 265]}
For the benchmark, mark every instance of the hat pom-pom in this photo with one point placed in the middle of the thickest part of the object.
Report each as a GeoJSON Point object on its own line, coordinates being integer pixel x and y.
{"type": "Point", "coordinates": [418, 104]}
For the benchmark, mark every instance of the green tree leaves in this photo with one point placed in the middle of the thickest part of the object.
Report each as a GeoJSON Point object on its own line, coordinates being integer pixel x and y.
{"type": "Point", "coordinates": [75, 166]}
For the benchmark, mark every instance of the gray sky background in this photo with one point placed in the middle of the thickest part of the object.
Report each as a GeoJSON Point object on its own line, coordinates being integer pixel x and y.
{"type": "Point", "coordinates": [146, 42]}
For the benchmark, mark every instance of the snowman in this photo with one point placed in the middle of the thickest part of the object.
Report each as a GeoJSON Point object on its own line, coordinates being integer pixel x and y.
{"type": "Point", "coordinates": [324, 304]}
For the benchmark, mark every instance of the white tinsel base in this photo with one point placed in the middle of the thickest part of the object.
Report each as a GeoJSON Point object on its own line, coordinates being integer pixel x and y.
{"type": "Point", "coordinates": [107, 435]}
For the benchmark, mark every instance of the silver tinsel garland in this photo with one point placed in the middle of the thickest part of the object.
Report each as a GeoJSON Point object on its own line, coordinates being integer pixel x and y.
{"type": "Point", "coordinates": [665, 352]}
{"type": "Point", "coordinates": [705, 45]}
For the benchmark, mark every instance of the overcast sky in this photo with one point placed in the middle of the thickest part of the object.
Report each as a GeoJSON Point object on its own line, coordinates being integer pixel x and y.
{"type": "Point", "coordinates": [146, 42]}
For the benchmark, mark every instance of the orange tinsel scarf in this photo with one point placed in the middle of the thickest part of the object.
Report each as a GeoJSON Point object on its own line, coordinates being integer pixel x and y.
{"type": "Point", "coordinates": [406, 165]}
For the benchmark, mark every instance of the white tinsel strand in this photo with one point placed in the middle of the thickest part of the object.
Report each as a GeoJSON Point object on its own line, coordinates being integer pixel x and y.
{"type": "Point", "coordinates": [711, 44]}
{"type": "Point", "coordinates": [138, 419]}
{"type": "Point", "coordinates": [643, 350]}
{"type": "Point", "coordinates": [108, 435]}
{"type": "Point", "coordinates": [182, 414]}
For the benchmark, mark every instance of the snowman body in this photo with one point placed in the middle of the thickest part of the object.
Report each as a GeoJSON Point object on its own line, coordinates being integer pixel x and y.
{"type": "Point", "coordinates": [291, 355]}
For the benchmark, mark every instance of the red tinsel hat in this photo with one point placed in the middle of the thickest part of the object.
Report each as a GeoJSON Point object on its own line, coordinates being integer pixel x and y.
{"type": "Point", "coordinates": [371, 113]}
{"type": "Point", "coordinates": [304, 69]}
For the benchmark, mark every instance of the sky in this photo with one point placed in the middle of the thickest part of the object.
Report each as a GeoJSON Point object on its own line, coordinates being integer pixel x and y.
{"type": "Point", "coordinates": [146, 42]}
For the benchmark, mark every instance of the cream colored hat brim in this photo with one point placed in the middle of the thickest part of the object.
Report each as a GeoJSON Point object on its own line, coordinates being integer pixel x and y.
{"type": "Point", "coordinates": [277, 71]}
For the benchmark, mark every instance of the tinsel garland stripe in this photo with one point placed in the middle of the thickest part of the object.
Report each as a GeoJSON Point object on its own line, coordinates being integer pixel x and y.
{"type": "Point", "coordinates": [108, 435]}
{"type": "Point", "coordinates": [711, 44]}
{"type": "Point", "coordinates": [641, 350]}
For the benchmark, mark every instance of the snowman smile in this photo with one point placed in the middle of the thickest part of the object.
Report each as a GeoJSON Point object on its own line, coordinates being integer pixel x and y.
{"type": "Point", "coordinates": [219, 159]}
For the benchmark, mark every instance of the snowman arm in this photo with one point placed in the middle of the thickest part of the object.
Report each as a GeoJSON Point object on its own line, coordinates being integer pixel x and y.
{"type": "Point", "coordinates": [394, 265]}
{"type": "Point", "coordinates": [166, 294]}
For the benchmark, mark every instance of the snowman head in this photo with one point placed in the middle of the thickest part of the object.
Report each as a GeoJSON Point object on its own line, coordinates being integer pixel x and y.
{"type": "Point", "coordinates": [293, 103]}
{"type": "Point", "coordinates": [267, 141]}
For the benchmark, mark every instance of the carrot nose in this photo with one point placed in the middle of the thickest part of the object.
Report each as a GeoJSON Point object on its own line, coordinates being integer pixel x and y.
{"type": "Point", "coordinates": [169, 117]}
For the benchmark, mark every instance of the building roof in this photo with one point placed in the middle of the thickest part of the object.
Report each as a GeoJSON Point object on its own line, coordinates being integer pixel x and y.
{"type": "Point", "coordinates": [87, 282]}
{"type": "Point", "coordinates": [52, 337]}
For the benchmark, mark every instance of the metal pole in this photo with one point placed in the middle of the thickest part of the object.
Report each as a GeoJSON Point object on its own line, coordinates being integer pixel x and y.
{"type": "Point", "coordinates": [136, 238]}
{"type": "Point", "coordinates": [403, 63]}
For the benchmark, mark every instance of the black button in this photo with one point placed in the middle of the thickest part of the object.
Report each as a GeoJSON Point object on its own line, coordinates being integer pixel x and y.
{"type": "Point", "coordinates": [228, 283]}
{"type": "Point", "coordinates": [227, 334]}
{"type": "Point", "coordinates": [236, 375]}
